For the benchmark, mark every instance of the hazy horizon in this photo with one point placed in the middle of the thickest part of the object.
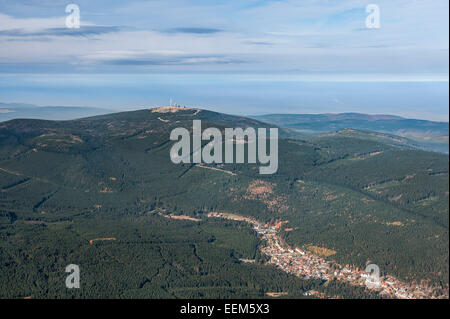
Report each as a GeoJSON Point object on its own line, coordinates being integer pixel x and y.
{"type": "Point", "coordinates": [234, 94]}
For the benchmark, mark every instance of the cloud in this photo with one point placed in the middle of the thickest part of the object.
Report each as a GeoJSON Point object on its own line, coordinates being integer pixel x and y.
{"type": "Point", "coordinates": [82, 31]}
{"type": "Point", "coordinates": [194, 60]}
{"type": "Point", "coordinates": [30, 24]}
{"type": "Point", "coordinates": [130, 58]}
{"type": "Point", "coordinates": [184, 60]}
{"type": "Point", "coordinates": [256, 36]}
{"type": "Point", "coordinates": [191, 30]}
{"type": "Point", "coordinates": [259, 43]}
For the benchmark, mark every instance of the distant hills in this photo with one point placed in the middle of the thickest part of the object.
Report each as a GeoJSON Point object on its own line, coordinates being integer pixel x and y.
{"type": "Point", "coordinates": [422, 134]}
{"type": "Point", "coordinates": [314, 123]}
{"type": "Point", "coordinates": [9, 111]}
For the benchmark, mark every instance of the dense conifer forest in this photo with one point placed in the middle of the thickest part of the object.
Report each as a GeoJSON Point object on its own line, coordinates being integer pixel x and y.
{"type": "Point", "coordinates": [64, 184]}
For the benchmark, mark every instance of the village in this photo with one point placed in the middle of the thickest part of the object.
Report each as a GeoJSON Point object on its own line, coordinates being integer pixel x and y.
{"type": "Point", "coordinates": [306, 265]}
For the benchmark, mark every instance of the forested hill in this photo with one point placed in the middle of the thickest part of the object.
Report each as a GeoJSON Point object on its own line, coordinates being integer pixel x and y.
{"type": "Point", "coordinates": [66, 183]}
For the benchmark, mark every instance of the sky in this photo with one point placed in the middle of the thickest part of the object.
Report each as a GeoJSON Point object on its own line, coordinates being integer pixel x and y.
{"type": "Point", "coordinates": [234, 56]}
